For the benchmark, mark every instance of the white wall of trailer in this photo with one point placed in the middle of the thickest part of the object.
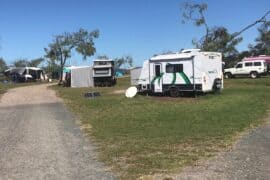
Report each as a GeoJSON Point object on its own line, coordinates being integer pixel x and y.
{"type": "Point", "coordinates": [144, 76]}
{"type": "Point", "coordinates": [135, 75]}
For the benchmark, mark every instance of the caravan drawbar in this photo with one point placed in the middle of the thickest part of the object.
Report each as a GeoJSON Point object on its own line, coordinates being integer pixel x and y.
{"type": "Point", "coordinates": [191, 70]}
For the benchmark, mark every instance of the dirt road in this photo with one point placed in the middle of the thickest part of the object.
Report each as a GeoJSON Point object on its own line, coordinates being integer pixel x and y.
{"type": "Point", "coordinates": [40, 140]}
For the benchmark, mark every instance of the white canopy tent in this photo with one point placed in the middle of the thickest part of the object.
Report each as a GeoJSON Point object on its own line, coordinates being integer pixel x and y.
{"type": "Point", "coordinates": [81, 76]}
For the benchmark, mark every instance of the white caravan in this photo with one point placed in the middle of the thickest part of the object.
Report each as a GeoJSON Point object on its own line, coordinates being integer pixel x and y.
{"type": "Point", "coordinates": [191, 70]}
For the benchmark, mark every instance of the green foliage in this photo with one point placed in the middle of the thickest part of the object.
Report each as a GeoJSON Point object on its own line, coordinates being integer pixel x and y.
{"type": "Point", "coordinates": [60, 49]}
{"type": "Point", "coordinates": [218, 38]}
{"type": "Point", "coordinates": [27, 63]}
{"type": "Point", "coordinates": [126, 61]}
{"type": "Point", "coordinates": [194, 12]}
{"type": "Point", "coordinates": [147, 135]}
{"type": "Point", "coordinates": [3, 65]}
{"type": "Point", "coordinates": [21, 63]}
{"type": "Point", "coordinates": [262, 46]}
{"type": "Point", "coordinates": [35, 62]}
{"type": "Point", "coordinates": [231, 60]}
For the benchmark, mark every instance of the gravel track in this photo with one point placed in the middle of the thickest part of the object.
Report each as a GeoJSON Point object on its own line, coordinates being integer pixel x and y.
{"type": "Point", "coordinates": [39, 139]}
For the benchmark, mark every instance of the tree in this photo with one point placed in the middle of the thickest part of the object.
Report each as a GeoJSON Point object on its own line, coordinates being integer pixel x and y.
{"type": "Point", "coordinates": [35, 62]}
{"type": "Point", "coordinates": [61, 47]}
{"type": "Point", "coordinates": [195, 12]}
{"type": "Point", "coordinates": [262, 46]}
{"type": "Point", "coordinates": [219, 40]}
{"type": "Point", "coordinates": [216, 38]}
{"type": "Point", "coordinates": [3, 65]}
{"type": "Point", "coordinates": [26, 63]}
{"type": "Point", "coordinates": [126, 61]}
{"type": "Point", "coordinates": [21, 63]}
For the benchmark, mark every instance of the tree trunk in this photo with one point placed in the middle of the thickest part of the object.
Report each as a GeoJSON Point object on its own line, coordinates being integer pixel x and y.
{"type": "Point", "coordinates": [60, 82]}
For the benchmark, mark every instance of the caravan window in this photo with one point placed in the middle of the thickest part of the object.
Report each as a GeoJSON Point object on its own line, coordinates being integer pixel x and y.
{"type": "Point", "coordinates": [173, 68]}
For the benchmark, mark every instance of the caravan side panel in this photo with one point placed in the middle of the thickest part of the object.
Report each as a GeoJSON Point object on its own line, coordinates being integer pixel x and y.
{"type": "Point", "coordinates": [135, 75]}
{"type": "Point", "coordinates": [144, 79]}
{"type": "Point", "coordinates": [211, 68]}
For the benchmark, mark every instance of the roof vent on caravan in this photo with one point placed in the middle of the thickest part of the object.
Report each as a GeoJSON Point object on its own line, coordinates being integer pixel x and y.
{"type": "Point", "coordinates": [190, 50]}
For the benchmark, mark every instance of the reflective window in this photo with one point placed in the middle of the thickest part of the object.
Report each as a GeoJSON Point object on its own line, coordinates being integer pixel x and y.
{"type": "Point", "coordinates": [174, 68]}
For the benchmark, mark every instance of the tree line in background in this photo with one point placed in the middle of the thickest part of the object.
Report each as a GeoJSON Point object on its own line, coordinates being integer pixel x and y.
{"type": "Point", "coordinates": [216, 38]}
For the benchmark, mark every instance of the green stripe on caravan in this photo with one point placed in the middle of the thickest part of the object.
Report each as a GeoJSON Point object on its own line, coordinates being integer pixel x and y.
{"type": "Point", "coordinates": [184, 76]}
{"type": "Point", "coordinates": [174, 78]}
{"type": "Point", "coordinates": [157, 77]}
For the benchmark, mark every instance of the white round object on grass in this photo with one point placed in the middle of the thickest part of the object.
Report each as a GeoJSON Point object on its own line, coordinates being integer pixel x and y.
{"type": "Point", "coordinates": [131, 92]}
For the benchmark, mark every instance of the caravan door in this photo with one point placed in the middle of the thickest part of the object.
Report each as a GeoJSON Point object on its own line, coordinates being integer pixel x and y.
{"type": "Point", "coordinates": [158, 80]}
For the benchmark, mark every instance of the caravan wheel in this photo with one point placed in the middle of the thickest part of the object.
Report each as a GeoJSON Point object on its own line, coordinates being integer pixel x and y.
{"type": "Point", "coordinates": [174, 92]}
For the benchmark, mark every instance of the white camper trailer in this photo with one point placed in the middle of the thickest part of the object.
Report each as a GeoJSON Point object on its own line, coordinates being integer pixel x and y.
{"type": "Point", "coordinates": [103, 72]}
{"type": "Point", "coordinates": [190, 70]}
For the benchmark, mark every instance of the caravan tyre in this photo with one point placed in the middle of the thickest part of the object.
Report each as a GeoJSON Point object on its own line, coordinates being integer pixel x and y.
{"type": "Point", "coordinates": [174, 92]}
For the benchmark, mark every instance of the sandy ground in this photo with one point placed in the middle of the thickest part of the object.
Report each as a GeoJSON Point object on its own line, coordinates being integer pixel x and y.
{"type": "Point", "coordinates": [40, 140]}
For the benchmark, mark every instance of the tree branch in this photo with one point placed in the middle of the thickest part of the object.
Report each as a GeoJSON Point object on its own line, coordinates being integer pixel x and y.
{"type": "Point", "coordinates": [261, 20]}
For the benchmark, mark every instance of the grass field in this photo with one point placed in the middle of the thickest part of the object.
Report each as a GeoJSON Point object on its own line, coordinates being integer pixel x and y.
{"type": "Point", "coordinates": [148, 135]}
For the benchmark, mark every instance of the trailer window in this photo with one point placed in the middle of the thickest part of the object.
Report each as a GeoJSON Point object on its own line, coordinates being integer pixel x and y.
{"type": "Point", "coordinates": [257, 63]}
{"type": "Point", "coordinates": [248, 64]}
{"type": "Point", "coordinates": [173, 68]}
{"type": "Point", "coordinates": [102, 71]}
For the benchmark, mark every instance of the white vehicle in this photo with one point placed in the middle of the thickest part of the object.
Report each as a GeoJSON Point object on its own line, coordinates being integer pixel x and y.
{"type": "Point", "coordinates": [254, 69]}
{"type": "Point", "coordinates": [191, 70]}
{"type": "Point", "coordinates": [24, 74]}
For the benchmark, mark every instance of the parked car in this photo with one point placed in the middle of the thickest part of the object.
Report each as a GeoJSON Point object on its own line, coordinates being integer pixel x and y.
{"type": "Point", "coordinates": [253, 69]}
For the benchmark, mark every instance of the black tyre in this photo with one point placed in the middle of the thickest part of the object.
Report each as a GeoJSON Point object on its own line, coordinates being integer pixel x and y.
{"type": "Point", "coordinates": [174, 92]}
{"type": "Point", "coordinates": [228, 75]}
{"type": "Point", "coordinates": [217, 86]}
{"type": "Point", "coordinates": [254, 75]}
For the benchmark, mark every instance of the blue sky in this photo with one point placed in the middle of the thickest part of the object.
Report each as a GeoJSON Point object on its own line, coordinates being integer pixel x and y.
{"type": "Point", "coordinates": [139, 28]}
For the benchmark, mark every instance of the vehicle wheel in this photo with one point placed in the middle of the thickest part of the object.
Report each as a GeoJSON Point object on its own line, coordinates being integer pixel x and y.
{"type": "Point", "coordinates": [217, 86]}
{"type": "Point", "coordinates": [253, 75]}
{"type": "Point", "coordinates": [174, 92]}
{"type": "Point", "coordinates": [228, 75]}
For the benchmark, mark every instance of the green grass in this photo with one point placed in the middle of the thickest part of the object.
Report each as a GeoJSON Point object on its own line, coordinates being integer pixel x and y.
{"type": "Point", "coordinates": [148, 135]}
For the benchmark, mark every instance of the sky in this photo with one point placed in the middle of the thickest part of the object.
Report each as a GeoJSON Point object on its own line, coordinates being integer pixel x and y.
{"type": "Point", "coordinates": [139, 28]}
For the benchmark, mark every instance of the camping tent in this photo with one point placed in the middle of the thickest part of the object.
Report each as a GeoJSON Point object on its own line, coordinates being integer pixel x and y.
{"type": "Point", "coordinates": [81, 76]}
